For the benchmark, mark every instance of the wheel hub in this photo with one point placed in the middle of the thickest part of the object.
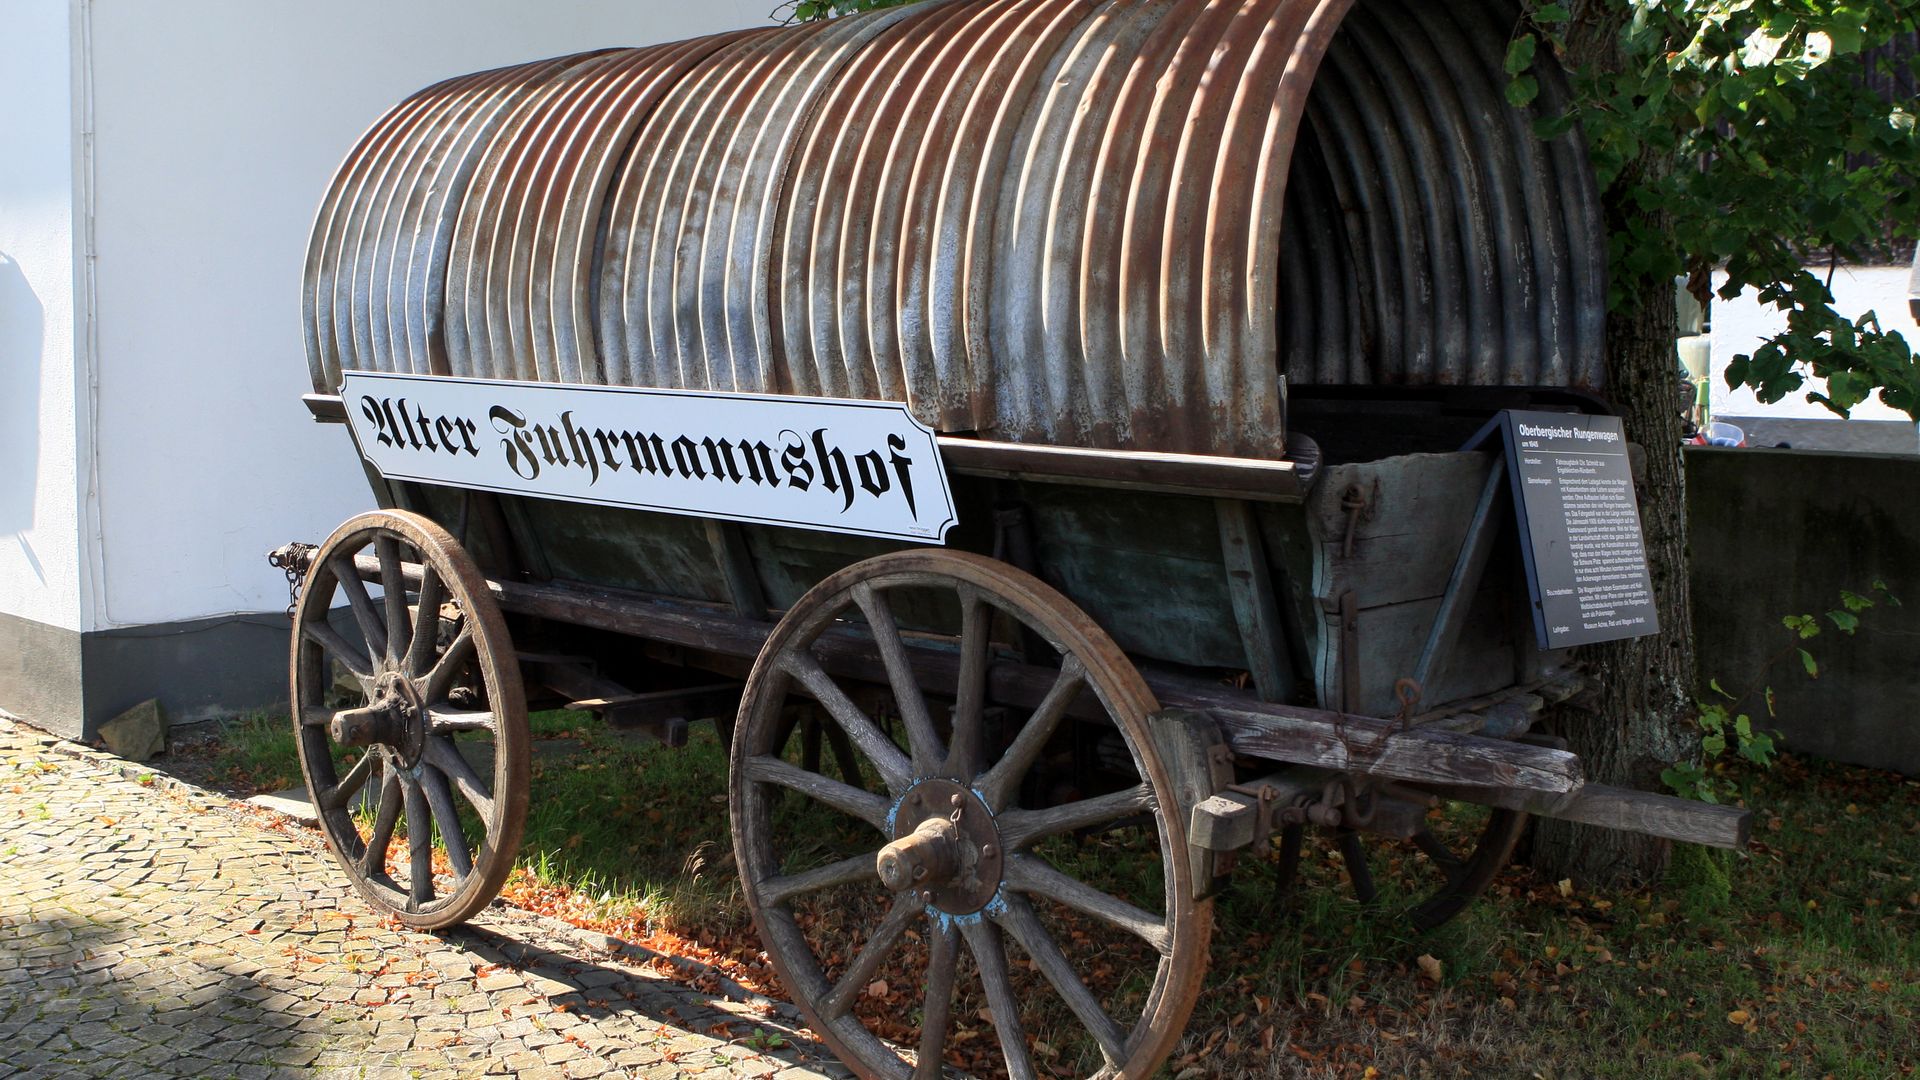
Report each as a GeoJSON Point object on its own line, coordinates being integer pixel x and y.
{"type": "Point", "coordinates": [946, 845]}
{"type": "Point", "coordinates": [395, 718]}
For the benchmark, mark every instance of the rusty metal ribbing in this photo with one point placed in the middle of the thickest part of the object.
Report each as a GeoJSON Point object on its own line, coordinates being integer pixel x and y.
{"type": "Point", "coordinates": [1040, 220]}
{"type": "Point", "coordinates": [1431, 239]}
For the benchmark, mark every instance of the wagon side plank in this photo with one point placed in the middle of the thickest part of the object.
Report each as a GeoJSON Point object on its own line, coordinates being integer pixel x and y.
{"type": "Point", "coordinates": [1282, 733]}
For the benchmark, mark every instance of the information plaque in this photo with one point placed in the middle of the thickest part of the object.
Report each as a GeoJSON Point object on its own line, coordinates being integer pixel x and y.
{"type": "Point", "coordinates": [1579, 526]}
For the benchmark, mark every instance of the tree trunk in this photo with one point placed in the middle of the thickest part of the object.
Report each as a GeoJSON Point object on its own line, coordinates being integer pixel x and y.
{"type": "Point", "coordinates": [1638, 720]}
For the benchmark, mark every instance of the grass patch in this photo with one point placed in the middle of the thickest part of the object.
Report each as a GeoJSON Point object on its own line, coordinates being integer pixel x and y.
{"type": "Point", "coordinates": [1799, 958]}
{"type": "Point", "coordinates": [254, 753]}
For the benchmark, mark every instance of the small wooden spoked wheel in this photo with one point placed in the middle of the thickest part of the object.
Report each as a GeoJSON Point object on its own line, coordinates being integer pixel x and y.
{"type": "Point", "coordinates": [1448, 871]}
{"type": "Point", "coordinates": [857, 892]}
{"type": "Point", "coordinates": [435, 728]}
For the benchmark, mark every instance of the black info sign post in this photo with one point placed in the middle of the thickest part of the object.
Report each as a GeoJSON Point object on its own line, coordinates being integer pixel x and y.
{"type": "Point", "coordinates": [1579, 526]}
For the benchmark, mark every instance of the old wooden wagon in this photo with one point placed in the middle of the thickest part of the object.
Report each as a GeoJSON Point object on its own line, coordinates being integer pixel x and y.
{"type": "Point", "coordinates": [923, 398]}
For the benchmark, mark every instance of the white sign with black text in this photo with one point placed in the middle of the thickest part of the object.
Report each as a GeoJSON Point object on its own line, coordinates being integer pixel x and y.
{"type": "Point", "coordinates": [862, 467]}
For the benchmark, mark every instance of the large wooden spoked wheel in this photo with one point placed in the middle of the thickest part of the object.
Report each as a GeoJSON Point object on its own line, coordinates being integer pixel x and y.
{"type": "Point", "coordinates": [932, 899]}
{"type": "Point", "coordinates": [420, 775]}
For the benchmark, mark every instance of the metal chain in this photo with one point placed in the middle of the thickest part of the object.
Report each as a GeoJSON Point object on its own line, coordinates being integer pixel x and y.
{"type": "Point", "coordinates": [293, 559]}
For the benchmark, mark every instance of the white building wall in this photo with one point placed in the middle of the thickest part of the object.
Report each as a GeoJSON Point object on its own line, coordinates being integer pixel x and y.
{"type": "Point", "coordinates": [40, 460]}
{"type": "Point", "coordinates": [219, 124]}
{"type": "Point", "coordinates": [1740, 325]}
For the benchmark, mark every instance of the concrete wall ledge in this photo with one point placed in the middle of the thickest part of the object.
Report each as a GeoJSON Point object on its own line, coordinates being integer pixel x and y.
{"type": "Point", "coordinates": [70, 683]}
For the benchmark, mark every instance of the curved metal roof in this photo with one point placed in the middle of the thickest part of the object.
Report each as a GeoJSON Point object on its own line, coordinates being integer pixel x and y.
{"type": "Point", "coordinates": [1124, 224]}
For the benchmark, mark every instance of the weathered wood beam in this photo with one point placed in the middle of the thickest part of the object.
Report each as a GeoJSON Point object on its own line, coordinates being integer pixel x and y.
{"type": "Point", "coordinates": [1255, 610]}
{"type": "Point", "coordinates": [1363, 744]}
{"type": "Point", "coordinates": [1188, 474]}
{"type": "Point", "coordinates": [1256, 729]}
{"type": "Point", "coordinates": [1621, 808]}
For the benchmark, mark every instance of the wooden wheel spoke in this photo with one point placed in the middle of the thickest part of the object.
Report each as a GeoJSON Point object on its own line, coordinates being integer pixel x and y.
{"type": "Point", "coordinates": [371, 627]}
{"type": "Point", "coordinates": [943, 954]}
{"type": "Point", "coordinates": [447, 817]}
{"type": "Point", "coordinates": [393, 586]}
{"type": "Point", "coordinates": [895, 770]}
{"type": "Point", "coordinates": [1354, 854]}
{"type": "Point", "coordinates": [419, 845]}
{"type": "Point", "coordinates": [443, 720]}
{"type": "Point", "coordinates": [1019, 920]}
{"type": "Point", "coordinates": [429, 593]}
{"type": "Point", "coordinates": [990, 955]}
{"type": "Point", "coordinates": [922, 739]}
{"type": "Point", "coordinates": [1020, 829]}
{"type": "Point", "coordinates": [845, 798]}
{"type": "Point", "coordinates": [344, 652]}
{"type": "Point", "coordinates": [1032, 875]}
{"type": "Point", "coordinates": [373, 861]}
{"type": "Point", "coordinates": [970, 692]}
{"type": "Point", "coordinates": [885, 936]}
{"type": "Point", "coordinates": [1450, 864]}
{"type": "Point", "coordinates": [442, 754]}
{"type": "Point", "coordinates": [948, 720]}
{"type": "Point", "coordinates": [1003, 780]}
{"type": "Point", "coordinates": [776, 890]}
{"type": "Point", "coordinates": [349, 785]}
{"type": "Point", "coordinates": [438, 680]}
{"type": "Point", "coordinates": [426, 623]}
{"type": "Point", "coordinates": [1292, 837]}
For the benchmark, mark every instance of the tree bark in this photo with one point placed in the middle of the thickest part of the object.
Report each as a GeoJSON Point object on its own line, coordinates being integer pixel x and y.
{"type": "Point", "coordinates": [1639, 720]}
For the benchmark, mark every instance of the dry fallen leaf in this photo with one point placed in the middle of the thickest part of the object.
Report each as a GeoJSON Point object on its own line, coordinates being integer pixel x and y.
{"type": "Point", "coordinates": [1737, 1016]}
{"type": "Point", "coordinates": [1429, 967]}
{"type": "Point", "coordinates": [1566, 886]}
{"type": "Point", "coordinates": [877, 988]}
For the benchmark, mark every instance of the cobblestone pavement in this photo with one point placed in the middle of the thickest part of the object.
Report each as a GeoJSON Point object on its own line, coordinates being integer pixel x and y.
{"type": "Point", "coordinates": [148, 928]}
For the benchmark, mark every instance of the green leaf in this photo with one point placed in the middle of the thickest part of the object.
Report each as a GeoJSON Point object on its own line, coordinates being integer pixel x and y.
{"type": "Point", "coordinates": [1713, 745]}
{"type": "Point", "coordinates": [1522, 90]}
{"type": "Point", "coordinates": [1520, 53]}
{"type": "Point", "coordinates": [1806, 661]}
{"type": "Point", "coordinates": [1845, 621]}
{"type": "Point", "coordinates": [1552, 13]}
{"type": "Point", "coordinates": [1549, 128]}
{"type": "Point", "coordinates": [1715, 684]}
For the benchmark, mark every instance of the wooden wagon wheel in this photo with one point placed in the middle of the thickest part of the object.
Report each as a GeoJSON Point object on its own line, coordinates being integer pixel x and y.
{"type": "Point", "coordinates": [1456, 877]}
{"type": "Point", "coordinates": [436, 723]}
{"type": "Point", "coordinates": [948, 854]}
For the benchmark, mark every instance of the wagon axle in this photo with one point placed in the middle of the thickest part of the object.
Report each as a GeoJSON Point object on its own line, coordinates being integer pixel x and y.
{"type": "Point", "coordinates": [945, 843]}
{"type": "Point", "coordinates": [395, 717]}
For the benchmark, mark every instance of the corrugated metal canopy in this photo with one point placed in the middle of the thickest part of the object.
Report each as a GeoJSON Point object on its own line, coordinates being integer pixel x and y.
{"type": "Point", "coordinates": [1038, 220]}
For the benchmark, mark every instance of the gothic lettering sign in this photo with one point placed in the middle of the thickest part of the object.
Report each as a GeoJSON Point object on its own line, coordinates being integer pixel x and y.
{"type": "Point", "coordinates": [862, 467]}
{"type": "Point", "coordinates": [1579, 527]}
